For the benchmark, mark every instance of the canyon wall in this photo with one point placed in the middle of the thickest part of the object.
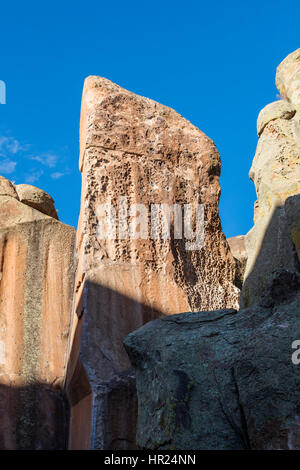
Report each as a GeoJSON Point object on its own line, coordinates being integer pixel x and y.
{"type": "Point", "coordinates": [138, 156]}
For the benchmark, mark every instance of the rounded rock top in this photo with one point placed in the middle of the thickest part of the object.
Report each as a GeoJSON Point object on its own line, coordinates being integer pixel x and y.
{"type": "Point", "coordinates": [7, 188]}
{"type": "Point", "coordinates": [288, 72]}
{"type": "Point", "coordinates": [36, 198]}
{"type": "Point", "coordinates": [280, 109]}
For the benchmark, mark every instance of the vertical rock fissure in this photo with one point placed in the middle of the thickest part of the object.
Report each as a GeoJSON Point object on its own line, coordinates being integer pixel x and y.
{"type": "Point", "coordinates": [243, 429]}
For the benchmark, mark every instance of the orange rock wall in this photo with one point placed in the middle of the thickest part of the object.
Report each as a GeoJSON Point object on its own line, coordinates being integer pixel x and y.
{"type": "Point", "coordinates": [36, 289]}
{"type": "Point", "coordinates": [135, 148]}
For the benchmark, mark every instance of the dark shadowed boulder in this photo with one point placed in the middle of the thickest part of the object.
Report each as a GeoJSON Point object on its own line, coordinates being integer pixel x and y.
{"type": "Point", "coordinates": [222, 379]}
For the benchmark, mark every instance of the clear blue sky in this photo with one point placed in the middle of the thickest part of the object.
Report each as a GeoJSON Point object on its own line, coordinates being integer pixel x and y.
{"type": "Point", "coordinates": [213, 62]}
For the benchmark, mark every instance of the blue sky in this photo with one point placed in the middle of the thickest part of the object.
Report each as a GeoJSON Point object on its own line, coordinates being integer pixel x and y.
{"type": "Point", "coordinates": [213, 62]}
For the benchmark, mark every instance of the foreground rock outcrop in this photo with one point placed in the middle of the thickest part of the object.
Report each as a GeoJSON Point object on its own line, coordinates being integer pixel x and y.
{"type": "Point", "coordinates": [225, 379]}
{"type": "Point", "coordinates": [219, 380]}
{"type": "Point", "coordinates": [36, 290]}
{"type": "Point", "coordinates": [137, 156]}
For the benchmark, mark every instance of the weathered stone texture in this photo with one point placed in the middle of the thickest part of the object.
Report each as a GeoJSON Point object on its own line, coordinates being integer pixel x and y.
{"type": "Point", "coordinates": [237, 247]}
{"type": "Point", "coordinates": [136, 148]}
{"type": "Point", "coordinates": [238, 250]}
{"type": "Point", "coordinates": [36, 198]}
{"type": "Point", "coordinates": [225, 379]}
{"type": "Point", "coordinates": [288, 79]}
{"type": "Point", "coordinates": [281, 109]}
{"type": "Point", "coordinates": [274, 241]}
{"type": "Point", "coordinates": [7, 188]}
{"type": "Point", "coordinates": [221, 380]}
{"type": "Point", "coordinates": [36, 289]}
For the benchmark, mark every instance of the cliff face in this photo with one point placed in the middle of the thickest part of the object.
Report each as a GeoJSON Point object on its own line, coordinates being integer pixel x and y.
{"type": "Point", "coordinates": [36, 289]}
{"type": "Point", "coordinates": [138, 157]}
{"type": "Point", "coordinates": [225, 379]}
{"type": "Point", "coordinates": [274, 241]}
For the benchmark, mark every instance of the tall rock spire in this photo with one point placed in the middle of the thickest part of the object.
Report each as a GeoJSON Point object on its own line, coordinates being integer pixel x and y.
{"type": "Point", "coordinates": [141, 162]}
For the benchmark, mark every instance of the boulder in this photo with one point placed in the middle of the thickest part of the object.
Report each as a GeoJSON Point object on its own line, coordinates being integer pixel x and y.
{"type": "Point", "coordinates": [221, 380]}
{"type": "Point", "coordinates": [281, 109]}
{"type": "Point", "coordinates": [7, 188]}
{"type": "Point", "coordinates": [36, 198]}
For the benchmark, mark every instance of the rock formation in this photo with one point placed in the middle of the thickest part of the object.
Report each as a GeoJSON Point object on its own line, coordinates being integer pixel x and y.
{"type": "Point", "coordinates": [36, 290]}
{"type": "Point", "coordinates": [137, 156]}
{"type": "Point", "coordinates": [274, 241]}
{"type": "Point", "coordinates": [225, 379]}
{"type": "Point", "coordinates": [150, 247]}
{"type": "Point", "coordinates": [220, 380]}
{"type": "Point", "coordinates": [36, 198]}
{"type": "Point", "coordinates": [238, 250]}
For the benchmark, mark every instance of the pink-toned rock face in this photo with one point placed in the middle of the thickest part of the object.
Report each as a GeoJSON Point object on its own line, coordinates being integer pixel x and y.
{"type": "Point", "coordinates": [139, 150]}
{"type": "Point", "coordinates": [36, 289]}
{"type": "Point", "coordinates": [237, 247]}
